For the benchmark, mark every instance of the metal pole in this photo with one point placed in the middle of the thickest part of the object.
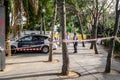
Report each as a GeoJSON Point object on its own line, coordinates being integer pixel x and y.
{"type": "Point", "coordinates": [2, 38]}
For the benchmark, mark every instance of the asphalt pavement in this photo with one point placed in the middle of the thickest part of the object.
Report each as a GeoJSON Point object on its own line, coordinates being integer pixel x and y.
{"type": "Point", "coordinates": [34, 66]}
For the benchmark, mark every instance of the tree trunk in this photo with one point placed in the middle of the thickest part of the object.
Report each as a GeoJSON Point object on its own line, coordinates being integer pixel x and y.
{"type": "Point", "coordinates": [103, 31]}
{"type": "Point", "coordinates": [43, 24]}
{"type": "Point", "coordinates": [44, 28]}
{"type": "Point", "coordinates": [8, 47]}
{"type": "Point", "coordinates": [19, 31]}
{"type": "Point", "coordinates": [41, 27]}
{"type": "Point", "coordinates": [65, 66]}
{"type": "Point", "coordinates": [15, 17]}
{"type": "Point", "coordinates": [91, 47]}
{"type": "Point", "coordinates": [35, 4]}
{"type": "Point", "coordinates": [112, 42]}
{"type": "Point", "coordinates": [20, 18]}
{"type": "Point", "coordinates": [95, 36]}
{"type": "Point", "coordinates": [83, 43]}
{"type": "Point", "coordinates": [25, 7]}
{"type": "Point", "coordinates": [53, 24]}
{"type": "Point", "coordinates": [1, 2]}
{"type": "Point", "coordinates": [95, 26]}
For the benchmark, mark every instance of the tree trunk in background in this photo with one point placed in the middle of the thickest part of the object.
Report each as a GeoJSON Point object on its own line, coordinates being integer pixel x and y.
{"type": "Point", "coordinates": [65, 66]}
{"type": "Point", "coordinates": [41, 28]}
{"type": "Point", "coordinates": [20, 18]}
{"type": "Point", "coordinates": [112, 42]}
{"type": "Point", "coordinates": [95, 36]}
{"type": "Point", "coordinates": [44, 28]}
{"type": "Point", "coordinates": [14, 29]}
{"type": "Point", "coordinates": [53, 24]}
{"type": "Point", "coordinates": [103, 33]}
{"type": "Point", "coordinates": [35, 4]}
{"type": "Point", "coordinates": [95, 26]}
{"type": "Point", "coordinates": [91, 46]}
{"type": "Point", "coordinates": [19, 31]}
{"type": "Point", "coordinates": [8, 47]}
{"type": "Point", "coordinates": [43, 24]}
{"type": "Point", "coordinates": [25, 7]}
{"type": "Point", "coordinates": [83, 43]}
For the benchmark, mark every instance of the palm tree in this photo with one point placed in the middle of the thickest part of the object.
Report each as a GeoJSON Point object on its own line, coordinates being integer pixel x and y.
{"type": "Point", "coordinates": [53, 24]}
{"type": "Point", "coordinates": [62, 11]}
{"type": "Point", "coordinates": [112, 42]}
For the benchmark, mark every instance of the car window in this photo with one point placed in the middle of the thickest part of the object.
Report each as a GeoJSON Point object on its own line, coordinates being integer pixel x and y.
{"type": "Point", "coordinates": [28, 38]}
{"type": "Point", "coordinates": [41, 38]}
{"type": "Point", "coordinates": [35, 38]}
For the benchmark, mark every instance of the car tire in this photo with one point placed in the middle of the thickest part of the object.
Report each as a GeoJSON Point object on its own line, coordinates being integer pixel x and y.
{"type": "Point", "coordinates": [13, 49]}
{"type": "Point", "coordinates": [45, 49]}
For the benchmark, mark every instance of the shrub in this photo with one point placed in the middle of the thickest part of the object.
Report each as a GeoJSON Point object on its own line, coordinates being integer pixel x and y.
{"type": "Point", "coordinates": [117, 44]}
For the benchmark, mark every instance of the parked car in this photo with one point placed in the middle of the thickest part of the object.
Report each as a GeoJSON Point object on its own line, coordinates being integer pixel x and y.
{"type": "Point", "coordinates": [32, 43]}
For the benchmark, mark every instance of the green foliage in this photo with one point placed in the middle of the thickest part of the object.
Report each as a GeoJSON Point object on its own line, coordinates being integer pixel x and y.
{"type": "Point", "coordinates": [36, 19]}
{"type": "Point", "coordinates": [117, 44]}
{"type": "Point", "coordinates": [80, 7]}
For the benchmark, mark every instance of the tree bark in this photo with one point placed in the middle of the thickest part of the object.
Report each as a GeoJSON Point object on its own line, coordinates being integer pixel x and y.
{"type": "Point", "coordinates": [20, 18]}
{"type": "Point", "coordinates": [112, 42]}
{"type": "Point", "coordinates": [43, 24]}
{"type": "Point", "coordinates": [95, 26]}
{"type": "Point", "coordinates": [8, 47]}
{"type": "Point", "coordinates": [65, 66]}
{"type": "Point", "coordinates": [14, 29]}
{"type": "Point", "coordinates": [83, 43]}
{"type": "Point", "coordinates": [53, 24]}
{"type": "Point", "coordinates": [91, 46]}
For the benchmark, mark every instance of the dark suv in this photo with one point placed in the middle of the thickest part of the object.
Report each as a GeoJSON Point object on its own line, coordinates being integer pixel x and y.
{"type": "Point", "coordinates": [31, 43]}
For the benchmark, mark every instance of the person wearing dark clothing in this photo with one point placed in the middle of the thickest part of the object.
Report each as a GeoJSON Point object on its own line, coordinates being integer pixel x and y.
{"type": "Point", "coordinates": [75, 37]}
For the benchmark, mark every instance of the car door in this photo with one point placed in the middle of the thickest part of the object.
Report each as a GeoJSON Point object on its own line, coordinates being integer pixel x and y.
{"type": "Point", "coordinates": [36, 41]}
{"type": "Point", "coordinates": [25, 41]}
{"type": "Point", "coordinates": [42, 38]}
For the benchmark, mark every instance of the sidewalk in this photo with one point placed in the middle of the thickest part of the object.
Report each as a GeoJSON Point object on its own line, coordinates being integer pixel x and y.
{"type": "Point", "coordinates": [34, 66]}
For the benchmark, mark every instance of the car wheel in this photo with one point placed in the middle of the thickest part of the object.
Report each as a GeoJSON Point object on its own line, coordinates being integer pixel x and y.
{"type": "Point", "coordinates": [13, 49]}
{"type": "Point", "coordinates": [45, 49]}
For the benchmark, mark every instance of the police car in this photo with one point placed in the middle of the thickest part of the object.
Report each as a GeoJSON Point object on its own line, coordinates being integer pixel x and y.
{"type": "Point", "coordinates": [31, 43]}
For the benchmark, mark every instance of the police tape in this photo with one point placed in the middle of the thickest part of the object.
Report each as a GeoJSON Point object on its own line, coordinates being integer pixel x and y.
{"type": "Point", "coordinates": [38, 47]}
{"type": "Point", "coordinates": [31, 48]}
{"type": "Point", "coordinates": [88, 40]}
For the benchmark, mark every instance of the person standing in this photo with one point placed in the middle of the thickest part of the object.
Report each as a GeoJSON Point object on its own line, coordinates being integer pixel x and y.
{"type": "Point", "coordinates": [75, 37]}
{"type": "Point", "coordinates": [67, 37]}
